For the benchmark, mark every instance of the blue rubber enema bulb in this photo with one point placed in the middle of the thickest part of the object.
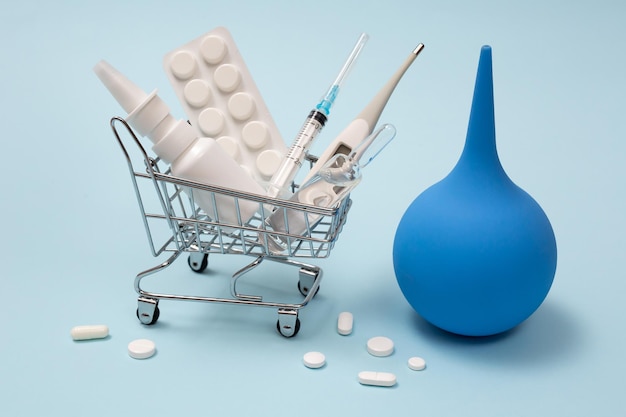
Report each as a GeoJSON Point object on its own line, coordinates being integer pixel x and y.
{"type": "Point", "coordinates": [475, 254]}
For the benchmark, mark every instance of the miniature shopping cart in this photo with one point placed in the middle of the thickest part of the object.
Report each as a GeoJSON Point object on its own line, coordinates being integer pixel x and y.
{"type": "Point", "coordinates": [189, 229]}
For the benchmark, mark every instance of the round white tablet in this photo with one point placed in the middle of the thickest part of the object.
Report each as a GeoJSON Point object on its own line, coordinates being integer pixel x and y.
{"type": "Point", "coordinates": [197, 92]}
{"type": "Point", "coordinates": [248, 171]}
{"type": "Point", "coordinates": [230, 145]}
{"type": "Point", "coordinates": [227, 77]}
{"type": "Point", "coordinates": [183, 65]}
{"type": "Point", "coordinates": [213, 49]}
{"type": "Point", "coordinates": [380, 346]}
{"type": "Point", "coordinates": [268, 162]}
{"type": "Point", "coordinates": [141, 348]}
{"type": "Point", "coordinates": [255, 135]}
{"type": "Point", "coordinates": [416, 363]}
{"type": "Point", "coordinates": [211, 121]}
{"type": "Point", "coordinates": [241, 105]}
{"type": "Point", "coordinates": [314, 360]}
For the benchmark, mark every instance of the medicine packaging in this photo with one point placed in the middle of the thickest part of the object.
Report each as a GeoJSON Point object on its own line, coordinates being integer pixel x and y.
{"type": "Point", "coordinates": [222, 101]}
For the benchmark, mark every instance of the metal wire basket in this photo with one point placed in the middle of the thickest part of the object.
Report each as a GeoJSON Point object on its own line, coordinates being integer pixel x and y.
{"type": "Point", "coordinates": [175, 224]}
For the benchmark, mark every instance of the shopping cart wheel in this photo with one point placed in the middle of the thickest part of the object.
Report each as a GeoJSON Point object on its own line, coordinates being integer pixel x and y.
{"type": "Point", "coordinates": [148, 311]}
{"type": "Point", "coordinates": [288, 324]}
{"type": "Point", "coordinates": [306, 281]}
{"type": "Point", "coordinates": [198, 261]}
{"type": "Point", "coordinates": [304, 289]}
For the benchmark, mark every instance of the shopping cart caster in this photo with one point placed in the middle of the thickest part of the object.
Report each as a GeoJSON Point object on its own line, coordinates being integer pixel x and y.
{"type": "Point", "coordinates": [288, 324]}
{"type": "Point", "coordinates": [198, 261]}
{"type": "Point", "coordinates": [306, 281]}
{"type": "Point", "coordinates": [148, 311]}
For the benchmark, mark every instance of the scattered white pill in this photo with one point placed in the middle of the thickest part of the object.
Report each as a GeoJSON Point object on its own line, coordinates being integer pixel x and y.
{"type": "Point", "coordinates": [314, 360]}
{"type": "Point", "coordinates": [380, 379]}
{"type": "Point", "coordinates": [344, 323]}
{"type": "Point", "coordinates": [416, 363]}
{"type": "Point", "coordinates": [141, 348]}
{"type": "Point", "coordinates": [380, 346]}
{"type": "Point", "coordinates": [97, 331]}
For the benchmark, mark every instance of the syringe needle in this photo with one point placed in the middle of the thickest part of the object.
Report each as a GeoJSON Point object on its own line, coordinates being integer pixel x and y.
{"type": "Point", "coordinates": [315, 121]}
{"type": "Point", "coordinates": [351, 59]}
{"type": "Point", "coordinates": [328, 100]}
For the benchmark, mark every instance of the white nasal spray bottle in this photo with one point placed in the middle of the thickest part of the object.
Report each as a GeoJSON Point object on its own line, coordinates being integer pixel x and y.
{"type": "Point", "coordinates": [365, 122]}
{"type": "Point", "coordinates": [175, 141]}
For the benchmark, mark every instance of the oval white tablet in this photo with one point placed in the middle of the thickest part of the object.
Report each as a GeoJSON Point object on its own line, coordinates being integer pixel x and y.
{"type": "Point", "coordinates": [227, 77]}
{"type": "Point", "coordinates": [416, 363]}
{"type": "Point", "coordinates": [344, 323]}
{"type": "Point", "coordinates": [211, 121]}
{"type": "Point", "coordinates": [241, 105]}
{"type": "Point", "coordinates": [230, 145]}
{"type": "Point", "coordinates": [380, 379]}
{"type": "Point", "coordinates": [268, 162]}
{"type": "Point", "coordinates": [380, 346]}
{"type": "Point", "coordinates": [314, 360]}
{"type": "Point", "coordinates": [183, 65]}
{"type": "Point", "coordinates": [97, 331]}
{"type": "Point", "coordinates": [213, 49]}
{"type": "Point", "coordinates": [197, 92]}
{"type": "Point", "coordinates": [255, 135]}
{"type": "Point", "coordinates": [141, 348]}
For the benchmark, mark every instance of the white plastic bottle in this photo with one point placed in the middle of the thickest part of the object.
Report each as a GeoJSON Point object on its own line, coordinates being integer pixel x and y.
{"type": "Point", "coordinates": [175, 142]}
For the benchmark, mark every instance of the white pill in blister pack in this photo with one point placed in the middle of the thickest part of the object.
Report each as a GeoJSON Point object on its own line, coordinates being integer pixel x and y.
{"type": "Point", "coordinates": [380, 379]}
{"type": "Point", "coordinates": [221, 100]}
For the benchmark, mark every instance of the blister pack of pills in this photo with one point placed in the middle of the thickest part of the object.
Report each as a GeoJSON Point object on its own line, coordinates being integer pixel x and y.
{"type": "Point", "coordinates": [221, 100]}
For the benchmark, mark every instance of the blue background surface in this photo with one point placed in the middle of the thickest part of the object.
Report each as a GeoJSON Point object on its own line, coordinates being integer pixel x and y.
{"type": "Point", "coordinates": [73, 239]}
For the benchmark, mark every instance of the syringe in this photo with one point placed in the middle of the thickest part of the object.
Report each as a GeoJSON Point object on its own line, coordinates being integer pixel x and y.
{"type": "Point", "coordinates": [363, 125]}
{"type": "Point", "coordinates": [281, 181]}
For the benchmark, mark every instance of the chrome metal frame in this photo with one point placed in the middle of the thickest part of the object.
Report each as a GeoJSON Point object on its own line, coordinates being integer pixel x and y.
{"type": "Point", "coordinates": [189, 229]}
